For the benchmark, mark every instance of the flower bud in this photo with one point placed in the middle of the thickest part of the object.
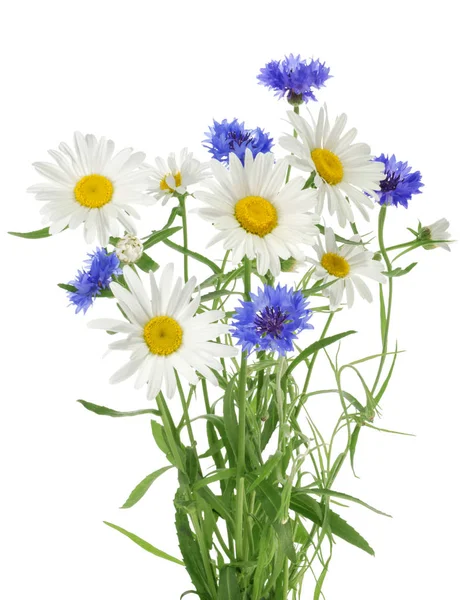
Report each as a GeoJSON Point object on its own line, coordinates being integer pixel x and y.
{"type": "Point", "coordinates": [129, 249]}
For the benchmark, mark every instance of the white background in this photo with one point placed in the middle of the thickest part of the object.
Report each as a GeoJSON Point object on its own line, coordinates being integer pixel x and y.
{"type": "Point", "coordinates": [152, 75]}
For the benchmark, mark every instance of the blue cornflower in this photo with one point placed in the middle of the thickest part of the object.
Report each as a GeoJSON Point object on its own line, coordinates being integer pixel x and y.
{"type": "Point", "coordinates": [271, 320]}
{"type": "Point", "coordinates": [225, 138]}
{"type": "Point", "coordinates": [399, 184]}
{"type": "Point", "coordinates": [96, 277]}
{"type": "Point", "coordinates": [294, 78]}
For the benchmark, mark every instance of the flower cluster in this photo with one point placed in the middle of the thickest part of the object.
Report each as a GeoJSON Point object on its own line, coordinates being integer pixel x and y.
{"type": "Point", "coordinates": [92, 280]}
{"type": "Point", "coordinates": [224, 139]}
{"type": "Point", "coordinates": [399, 184]}
{"type": "Point", "coordinates": [294, 78]}
{"type": "Point", "coordinates": [271, 320]}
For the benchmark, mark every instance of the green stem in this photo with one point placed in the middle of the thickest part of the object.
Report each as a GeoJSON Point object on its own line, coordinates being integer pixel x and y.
{"type": "Point", "coordinates": [185, 235]}
{"type": "Point", "coordinates": [240, 466]}
{"type": "Point", "coordinates": [285, 579]}
{"type": "Point", "coordinates": [288, 173]}
{"type": "Point", "coordinates": [388, 264]}
{"type": "Point", "coordinates": [169, 432]}
{"type": "Point", "coordinates": [314, 356]}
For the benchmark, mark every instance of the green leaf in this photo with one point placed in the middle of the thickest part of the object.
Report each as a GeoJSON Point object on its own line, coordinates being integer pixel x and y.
{"type": "Point", "coordinates": [341, 239]}
{"type": "Point", "coordinates": [105, 292]}
{"type": "Point", "coordinates": [145, 545]}
{"type": "Point", "coordinates": [219, 475]}
{"type": "Point", "coordinates": [139, 491]}
{"type": "Point", "coordinates": [158, 431]}
{"type": "Point", "coordinates": [398, 272]}
{"type": "Point", "coordinates": [353, 445]}
{"type": "Point", "coordinates": [265, 470]}
{"type": "Point", "coordinates": [314, 348]}
{"type": "Point", "coordinates": [145, 263]}
{"type": "Point", "coordinates": [309, 508]}
{"type": "Point", "coordinates": [191, 553]}
{"type": "Point", "coordinates": [270, 498]}
{"type": "Point", "coordinates": [194, 255]}
{"type": "Point", "coordinates": [320, 581]}
{"type": "Point", "coordinates": [160, 236]}
{"type": "Point", "coordinates": [342, 529]}
{"type": "Point", "coordinates": [334, 494]}
{"type": "Point", "coordinates": [109, 412]}
{"type": "Point", "coordinates": [378, 397]}
{"type": "Point", "coordinates": [32, 235]}
{"type": "Point", "coordinates": [67, 287]}
{"type": "Point", "coordinates": [218, 294]}
{"type": "Point", "coordinates": [229, 588]}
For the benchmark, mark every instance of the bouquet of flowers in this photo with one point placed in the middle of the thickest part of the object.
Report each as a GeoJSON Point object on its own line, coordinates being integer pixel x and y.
{"type": "Point", "coordinates": [258, 507]}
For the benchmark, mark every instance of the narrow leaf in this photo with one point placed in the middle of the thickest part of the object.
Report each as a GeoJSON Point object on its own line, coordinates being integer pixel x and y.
{"type": "Point", "coordinates": [32, 235]}
{"type": "Point", "coordinates": [334, 494]}
{"type": "Point", "coordinates": [265, 470]}
{"type": "Point", "coordinates": [160, 236]}
{"type": "Point", "coordinates": [217, 476]}
{"type": "Point", "coordinates": [109, 412]}
{"type": "Point", "coordinates": [145, 545]}
{"type": "Point", "coordinates": [194, 255]}
{"type": "Point", "coordinates": [229, 588]}
{"type": "Point", "coordinates": [191, 553]}
{"type": "Point", "coordinates": [314, 348]}
{"type": "Point", "coordinates": [353, 445]}
{"type": "Point", "coordinates": [146, 263]}
{"type": "Point", "coordinates": [139, 491]}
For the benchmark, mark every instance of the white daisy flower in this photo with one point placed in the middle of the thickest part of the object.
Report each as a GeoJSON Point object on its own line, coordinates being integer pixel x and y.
{"type": "Point", "coordinates": [344, 171]}
{"type": "Point", "coordinates": [89, 185]}
{"type": "Point", "coordinates": [256, 215]}
{"type": "Point", "coordinates": [436, 233]}
{"type": "Point", "coordinates": [345, 265]}
{"type": "Point", "coordinates": [176, 175]}
{"type": "Point", "coordinates": [164, 334]}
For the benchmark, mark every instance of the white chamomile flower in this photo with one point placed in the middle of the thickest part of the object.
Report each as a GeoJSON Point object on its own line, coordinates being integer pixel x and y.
{"type": "Point", "coordinates": [257, 216]}
{"type": "Point", "coordinates": [129, 249]}
{"type": "Point", "coordinates": [345, 265]}
{"type": "Point", "coordinates": [89, 185]}
{"type": "Point", "coordinates": [346, 174]}
{"type": "Point", "coordinates": [176, 175]}
{"type": "Point", "coordinates": [436, 234]}
{"type": "Point", "coordinates": [163, 333]}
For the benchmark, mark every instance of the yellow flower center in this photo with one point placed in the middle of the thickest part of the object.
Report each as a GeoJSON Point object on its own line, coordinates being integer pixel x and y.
{"type": "Point", "coordinates": [165, 186]}
{"type": "Point", "coordinates": [328, 165]}
{"type": "Point", "coordinates": [335, 265]}
{"type": "Point", "coordinates": [93, 191]}
{"type": "Point", "coordinates": [257, 215]}
{"type": "Point", "coordinates": [163, 335]}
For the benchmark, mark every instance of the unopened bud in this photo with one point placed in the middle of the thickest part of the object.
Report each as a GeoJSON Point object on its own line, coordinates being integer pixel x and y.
{"type": "Point", "coordinates": [129, 249]}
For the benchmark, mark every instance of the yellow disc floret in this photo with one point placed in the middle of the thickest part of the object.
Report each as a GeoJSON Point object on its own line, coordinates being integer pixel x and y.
{"type": "Point", "coordinates": [335, 265]}
{"type": "Point", "coordinates": [165, 186]}
{"type": "Point", "coordinates": [328, 165]}
{"type": "Point", "coordinates": [257, 215]}
{"type": "Point", "coordinates": [93, 191]}
{"type": "Point", "coordinates": [163, 335]}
